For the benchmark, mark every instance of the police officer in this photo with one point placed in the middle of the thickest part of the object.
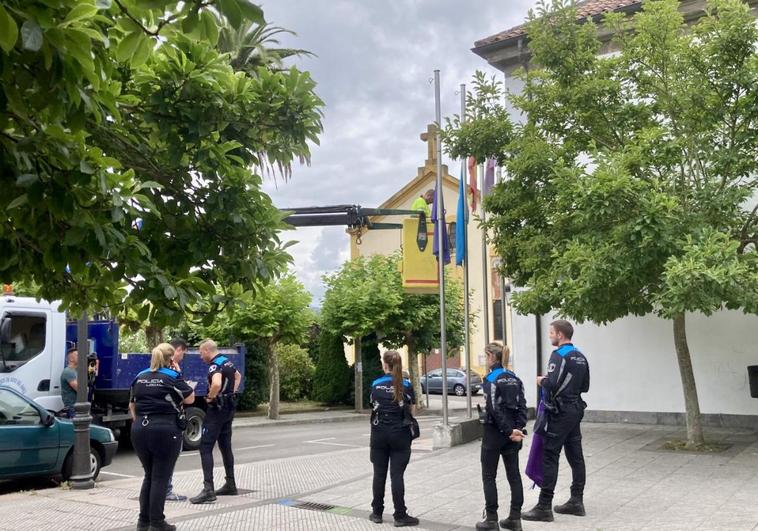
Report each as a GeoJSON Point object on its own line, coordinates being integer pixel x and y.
{"type": "Point", "coordinates": [155, 405]}
{"type": "Point", "coordinates": [223, 381]}
{"type": "Point", "coordinates": [568, 376]}
{"type": "Point", "coordinates": [392, 400]}
{"type": "Point", "coordinates": [504, 419]}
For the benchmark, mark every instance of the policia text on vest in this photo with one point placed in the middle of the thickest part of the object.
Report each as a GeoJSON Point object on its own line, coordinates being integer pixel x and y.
{"type": "Point", "coordinates": [156, 406]}
{"type": "Point", "coordinates": [567, 378]}
{"type": "Point", "coordinates": [392, 403]}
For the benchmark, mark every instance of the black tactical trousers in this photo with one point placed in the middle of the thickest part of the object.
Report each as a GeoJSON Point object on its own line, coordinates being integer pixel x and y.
{"type": "Point", "coordinates": [565, 433]}
{"type": "Point", "coordinates": [490, 458]}
{"type": "Point", "coordinates": [217, 428]}
{"type": "Point", "coordinates": [390, 448]}
{"type": "Point", "coordinates": [157, 445]}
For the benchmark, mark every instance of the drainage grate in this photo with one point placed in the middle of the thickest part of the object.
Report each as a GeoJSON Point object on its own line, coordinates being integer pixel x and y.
{"type": "Point", "coordinates": [312, 506]}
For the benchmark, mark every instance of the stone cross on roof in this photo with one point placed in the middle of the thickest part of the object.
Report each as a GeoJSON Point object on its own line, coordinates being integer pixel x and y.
{"type": "Point", "coordinates": [430, 137]}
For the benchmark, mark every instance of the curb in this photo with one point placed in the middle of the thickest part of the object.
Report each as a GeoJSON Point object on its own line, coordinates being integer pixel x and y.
{"type": "Point", "coordinates": [296, 422]}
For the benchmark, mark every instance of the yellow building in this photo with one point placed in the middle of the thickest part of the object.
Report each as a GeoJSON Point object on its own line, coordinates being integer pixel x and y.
{"type": "Point", "coordinates": [371, 242]}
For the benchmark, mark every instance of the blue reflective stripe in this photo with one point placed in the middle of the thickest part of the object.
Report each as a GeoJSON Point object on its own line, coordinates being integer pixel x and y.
{"type": "Point", "coordinates": [219, 360]}
{"type": "Point", "coordinates": [144, 372]}
{"type": "Point", "coordinates": [381, 379]}
{"type": "Point", "coordinates": [168, 372]}
{"type": "Point", "coordinates": [565, 350]}
{"type": "Point", "coordinates": [491, 377]}
{"type": "Point", "coordinates": [407, 382]}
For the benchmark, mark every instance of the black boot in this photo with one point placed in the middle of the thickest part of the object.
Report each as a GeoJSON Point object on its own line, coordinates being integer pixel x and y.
{"type": "Point", "coordinates": [207, 495]}
{"type": "Point", "coordinates": [574, 506]}
{"type": "Point", "coordinates": [405, 521]}
{"type": "Point", "coordinates": [513, 522]}
{"type": "Point", "coordinates": [163, 526]}
{"type": "Point", "coordinates": [229, 488]}
{"type": "Point", "coordinates": [540, 513]}
{"type": "Point", "coordinates": [376, 518]}
{"type": "Point", "coordinates": [142, 525]}
{"type": "Point", "coordinates": [489, 522]}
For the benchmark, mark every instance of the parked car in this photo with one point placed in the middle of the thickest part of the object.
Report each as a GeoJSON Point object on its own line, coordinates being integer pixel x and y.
{"type": "Point", "coordinates": [456, 382]}
{"type": "Point", "coordinates": [33, 442]}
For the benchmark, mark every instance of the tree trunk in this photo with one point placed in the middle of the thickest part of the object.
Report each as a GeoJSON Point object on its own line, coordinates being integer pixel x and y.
{"type": "Point", "coordinates": [691, 405]}
{"type": "Point", "coordinates": [358, 367]}
{"type": "Point", "coordinates": [154, 336]}
{"type": "Point", "coordinates": [413, 371]}
{"type": "Point", "coordinates": [273, 379]}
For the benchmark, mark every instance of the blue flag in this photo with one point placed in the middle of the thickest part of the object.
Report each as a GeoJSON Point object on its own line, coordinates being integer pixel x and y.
{"type": "Point", "coordinates": [445, 240]}
{"type": "Point", "coordinates": [461, 222]}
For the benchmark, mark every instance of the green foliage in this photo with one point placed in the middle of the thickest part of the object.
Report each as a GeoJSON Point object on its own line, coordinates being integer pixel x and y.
{"type": "Point", "coordinates": [132, 341]}
{"type": "Point", "coordinates": [633, 178]}
{"type": "Point", "coordinates": [372, 364]}
{"type": "Point", "coordinates": [256, 377]}
{"type": "Point", "coordinates": [130, 150]}
{"type": "Point", "coordinates": [332, 379]}
{"type": "Point", "coordinates": [296, 372]}
{"type": "Point", "coordinates": [366, 296]}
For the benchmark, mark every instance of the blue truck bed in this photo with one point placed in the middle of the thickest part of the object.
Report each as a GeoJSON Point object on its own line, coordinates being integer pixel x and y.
{"type": "Point", "coordinates": [117, 370]}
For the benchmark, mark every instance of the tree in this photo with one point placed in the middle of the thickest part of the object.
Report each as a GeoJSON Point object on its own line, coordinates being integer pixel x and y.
{"type": "Point", "coordinates": [331, 381]}
{"type": "Point", "coordinates": [131, 153]}
{"type": "Point", "coordinates": [254, 45]}
{"type": "Point", "coordinates": [366, 296]}
{"type": "Point", "coordinates": [633, 178]}
{"type": "Point", "coordinates": [276, 313]}
{"type": "Point", "coordinates": [297, 369]}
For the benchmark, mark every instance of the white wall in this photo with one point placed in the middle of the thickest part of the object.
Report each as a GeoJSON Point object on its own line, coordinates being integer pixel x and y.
{"type": "Point", "coordinates": [633, 364]}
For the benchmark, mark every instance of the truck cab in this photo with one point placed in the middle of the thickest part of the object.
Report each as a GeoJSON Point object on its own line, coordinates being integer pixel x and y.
{"type": "Point", "coordinates": [32, 348]}
{"type": "Point", "coordinates": [34, 338]}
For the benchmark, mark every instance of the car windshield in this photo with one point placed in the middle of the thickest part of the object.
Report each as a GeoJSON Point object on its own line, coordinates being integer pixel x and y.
{"type": "Point", "coordinates": [16, 410]}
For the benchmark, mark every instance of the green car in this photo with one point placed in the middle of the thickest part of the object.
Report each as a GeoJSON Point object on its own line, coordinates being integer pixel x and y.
{"type": "Point", "coordinates": [35, 443]}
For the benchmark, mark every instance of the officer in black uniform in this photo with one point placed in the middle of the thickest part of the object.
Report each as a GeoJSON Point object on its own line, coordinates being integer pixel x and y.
{"type": "Point", "coordinates": [223, 381]}
{"type": "Point", "coordinates": [504, 420]}
{"type": "Point", "coordinates": [392, 400]}
{"type": "Point", "coordinates": [157, 395]}
{"type": "Point", "coordinates": [568, 376]}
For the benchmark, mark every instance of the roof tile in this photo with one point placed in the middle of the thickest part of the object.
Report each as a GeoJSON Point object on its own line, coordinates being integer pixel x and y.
{"type": "Point", "coordinates": [585, 9]}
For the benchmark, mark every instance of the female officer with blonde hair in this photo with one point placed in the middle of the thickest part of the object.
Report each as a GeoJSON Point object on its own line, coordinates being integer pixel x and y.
{"type": "Point", "coordinates": [157, 396]}
{"type": "Point", "coordinates": [504, 419]}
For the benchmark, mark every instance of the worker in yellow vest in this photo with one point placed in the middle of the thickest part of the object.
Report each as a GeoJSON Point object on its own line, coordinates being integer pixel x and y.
{"type": "Point", "coordinates": [422, 202]}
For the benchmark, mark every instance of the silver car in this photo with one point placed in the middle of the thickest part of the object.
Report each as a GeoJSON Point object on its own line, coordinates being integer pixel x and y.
{"type": "Point", "coordinates": [456, 382]}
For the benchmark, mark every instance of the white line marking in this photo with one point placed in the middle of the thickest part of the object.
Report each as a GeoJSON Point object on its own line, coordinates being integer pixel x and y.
{"type": "Point", "coordinates": [187, 454]}
{"type": "Point", "coordinates": [323, 441]}
{"type": "Point", "coordinates": [116, 474]}
{"type": "Point", "coordinates": [254, 447]}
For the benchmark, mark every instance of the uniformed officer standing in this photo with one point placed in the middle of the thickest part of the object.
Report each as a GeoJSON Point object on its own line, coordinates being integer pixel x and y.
{"type": "Point", "coordinates": [223, 381]}
{"type": "Point", "coordinates": [568, 376]}
{"type": "Point", "coordinates": [393, 402]}
{"type": "Point", "coordinates": [504, 419]}
{"type": "Point", "coordinates": [156, 401]}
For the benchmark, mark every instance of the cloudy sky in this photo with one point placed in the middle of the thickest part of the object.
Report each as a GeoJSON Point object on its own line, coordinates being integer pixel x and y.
{"type": "Point", "coordinates": [374, 63]}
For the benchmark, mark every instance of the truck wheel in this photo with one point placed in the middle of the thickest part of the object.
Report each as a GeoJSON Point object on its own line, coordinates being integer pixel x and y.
{"type": "Point", "coordinates": [194, 430]}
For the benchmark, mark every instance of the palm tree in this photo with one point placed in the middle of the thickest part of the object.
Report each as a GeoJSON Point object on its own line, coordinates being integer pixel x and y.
{"type": "Point", "coordinates": [254, 45]}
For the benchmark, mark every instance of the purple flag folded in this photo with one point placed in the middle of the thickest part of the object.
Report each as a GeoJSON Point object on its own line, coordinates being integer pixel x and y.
{"type": "Point", "coordinates": [534, 469]}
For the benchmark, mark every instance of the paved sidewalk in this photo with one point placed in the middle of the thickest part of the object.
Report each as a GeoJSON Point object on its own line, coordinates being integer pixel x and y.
{"type": "Point", "coordinates": [631, 485]}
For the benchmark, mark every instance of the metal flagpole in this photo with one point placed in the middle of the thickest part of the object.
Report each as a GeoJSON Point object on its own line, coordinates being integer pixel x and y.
{"type": "Point", "coordinates": [485, 260]}
{"type": "Point", "coordinates": [440, 235]}
{"type": "Point", "coordinates": [466, 339]}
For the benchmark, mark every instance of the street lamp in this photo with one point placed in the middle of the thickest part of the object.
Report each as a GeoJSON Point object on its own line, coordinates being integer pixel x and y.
{"type": "Point", "coordinates": [81, 477]}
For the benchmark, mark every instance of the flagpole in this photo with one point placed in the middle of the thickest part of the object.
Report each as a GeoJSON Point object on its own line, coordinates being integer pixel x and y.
{"type": "Point", "coordinates": [440, 229]}
{"type": "Point", "coordinates": [485, 268]}
{"type": "Point", "coordinates": [466, 339]}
